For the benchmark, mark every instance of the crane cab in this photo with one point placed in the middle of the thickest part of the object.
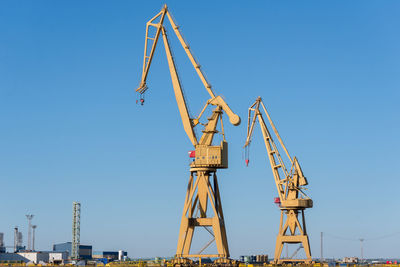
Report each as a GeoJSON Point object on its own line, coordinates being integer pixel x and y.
{"type": "Point", "coordinates": [211, 156]}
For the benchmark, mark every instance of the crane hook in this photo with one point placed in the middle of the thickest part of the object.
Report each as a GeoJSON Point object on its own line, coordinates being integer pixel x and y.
{"type": "Point", "coordinates": [140, 100]}
{"type": "Point", "coordinates": [246, 155]}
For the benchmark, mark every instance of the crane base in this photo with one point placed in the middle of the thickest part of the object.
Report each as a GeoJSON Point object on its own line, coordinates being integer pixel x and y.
{"type": "Point", "coordinates": [186, 262]}
{"type": "Point", "coordinates": [182, 262]}
{"type": "Point", "coordinates": [287, 235]}
{"type": "Point", "coordinates": [202, 195]}
{"type": "Point", "coordinates": [306, 261]}
{"type": "Point", "coordinates": [225, 262]}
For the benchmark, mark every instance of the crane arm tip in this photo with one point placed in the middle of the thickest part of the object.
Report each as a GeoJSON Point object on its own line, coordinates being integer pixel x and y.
{"type": "Point", "coordinates": [142, 88]}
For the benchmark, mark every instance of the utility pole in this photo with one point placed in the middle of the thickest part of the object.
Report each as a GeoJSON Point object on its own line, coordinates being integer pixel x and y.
{"type": "Point", "coordinates": [29, 217]}
{"type": "Point", "coordinates": [362, 249]}
{"type": "Point", "coordinates": [33, 237]}
{"type": "Point", "coordinates": [322, 247]}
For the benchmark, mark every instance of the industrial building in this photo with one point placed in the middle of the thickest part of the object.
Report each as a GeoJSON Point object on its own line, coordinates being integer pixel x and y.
{"type": "Point", "coordinates": [18, 246]}
{"type": "Point", "coordinates": [85, 251]}
{"type": "Point", "coordinates": [2, 247]}
{"type": "Point", "coordinates": [35, 257]}
{"type": "Point", "coordinates": [110, 255]}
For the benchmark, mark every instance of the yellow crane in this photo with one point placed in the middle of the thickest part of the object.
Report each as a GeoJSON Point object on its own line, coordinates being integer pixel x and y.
{"type": "Point", "coordinates": [202, 193]}
{"type": "Point", "coordinates": [290, 184]}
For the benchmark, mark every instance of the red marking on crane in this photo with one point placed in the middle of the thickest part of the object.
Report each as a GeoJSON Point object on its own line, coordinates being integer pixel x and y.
{"type": "Point", "coordinates": [277, 200]}
{"type": "Point", "coordinates": [247, 162]}
{"type": "Point", "coordinates": [192, 154]}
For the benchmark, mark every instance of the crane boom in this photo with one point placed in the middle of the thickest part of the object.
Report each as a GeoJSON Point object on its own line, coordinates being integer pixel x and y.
{"type": "Point", "coordinates": [289, 183]}
{"type": "Point", "coordinates": [188, 123]}
{"type": "Point", "coordinates": [180, 99]}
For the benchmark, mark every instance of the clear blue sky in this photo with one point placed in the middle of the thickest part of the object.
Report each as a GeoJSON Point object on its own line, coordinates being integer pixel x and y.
{"type": "Point", "coordinates": [329, 72]}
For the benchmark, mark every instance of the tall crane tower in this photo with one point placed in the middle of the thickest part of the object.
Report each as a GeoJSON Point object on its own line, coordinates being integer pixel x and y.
{"type": "Point", "coordinates": [202, 206]}
{"type": "Point", "coordinates": [290, 184]}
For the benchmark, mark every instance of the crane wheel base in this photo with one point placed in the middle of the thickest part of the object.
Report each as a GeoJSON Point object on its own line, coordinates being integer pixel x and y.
{"type": "Point", "coordinates": [182, 262]}
{"type": "Point", "coordinates": [293, 261]}
{"type": "Point", "coordinates": [185, 262]}
{"type": "Point", "coordinates": [225, 262]}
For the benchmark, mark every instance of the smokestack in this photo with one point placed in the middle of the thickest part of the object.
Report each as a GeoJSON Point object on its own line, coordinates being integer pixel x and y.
{"type": "Point", "coordinates": [19, 245]}
{"type": "Point", "coordinates": [15, 239]}
{"type": "Point", "coordinates": [29, 217]}
{"type": "Point", "coordinates": [33, 237]}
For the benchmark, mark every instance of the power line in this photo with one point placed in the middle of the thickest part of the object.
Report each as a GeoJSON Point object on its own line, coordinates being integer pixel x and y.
{"type": "Point", "coordinates": [364, 239]}
{"type": "Point", "coordinates": [341, 238]}
{"type": "Point", "coordinates": [384, 236]}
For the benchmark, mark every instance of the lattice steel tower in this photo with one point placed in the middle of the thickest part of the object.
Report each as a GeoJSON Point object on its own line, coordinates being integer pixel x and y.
{"type": "Point", "coordinates": [76, 229]}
